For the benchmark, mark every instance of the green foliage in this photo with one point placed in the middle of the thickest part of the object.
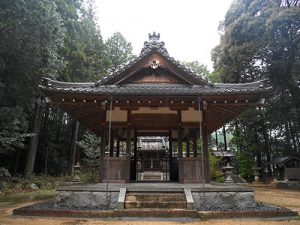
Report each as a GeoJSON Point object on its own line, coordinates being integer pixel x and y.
{"type": "Point", "coordinates": [83, 50]}
{"type": "Point", "coordinates": [198, 68]}
{"type": "Point", "coordinates": [91, 148]}
{"type": "Point", "coordinates": [13, 132]}
{"type": "Point", "coordinates": [31, 35]}
{"type": "Point", "coordinates": [118, 50]}
{"type": "Point", "coordinates": [245, 161]}
{"type": "Point", "coordinates": [215, 171]}
{"type": "Point", "coordinates": [260, 40]}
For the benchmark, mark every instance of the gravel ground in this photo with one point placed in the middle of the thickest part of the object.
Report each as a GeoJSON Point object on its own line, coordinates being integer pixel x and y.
{"type": "Point", "coordinates": [286, 198]}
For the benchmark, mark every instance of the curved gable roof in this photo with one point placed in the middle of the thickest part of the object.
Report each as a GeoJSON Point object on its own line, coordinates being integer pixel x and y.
{"type": "Point", "coordinates": [151, 48]}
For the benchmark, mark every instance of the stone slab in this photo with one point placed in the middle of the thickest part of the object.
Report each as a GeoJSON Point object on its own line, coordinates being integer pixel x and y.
{"type": "Point", "coordinates": [121, 199]}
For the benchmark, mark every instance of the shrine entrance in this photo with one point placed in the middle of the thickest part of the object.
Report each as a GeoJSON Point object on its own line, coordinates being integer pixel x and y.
{"type": "Point", "coordinates": [153, 159]}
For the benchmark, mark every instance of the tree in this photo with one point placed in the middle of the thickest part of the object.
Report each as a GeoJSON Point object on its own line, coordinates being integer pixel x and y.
{"type": "Point", "coordinates": [31, 35]}
{"type": "Point", "coordinates": [13, 129]}
{"type": "Point", "coordinates": [91, 148]}
{"type": "Point", "coordinates": [118, 50]}
{"type": "Point", "coordinates": [83, 51]}
{"type": "Point", "coordinates": [261, 40]}
{"type": "Point", "coordinates": [198, 68]}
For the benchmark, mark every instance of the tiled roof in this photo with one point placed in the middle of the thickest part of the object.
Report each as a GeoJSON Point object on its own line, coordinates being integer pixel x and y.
{"type": "Point", "coordinates": [153, 89]}
{"type": "Point", "coordinates": [200, 87]}
{"type": "Point", "coordinates": [149, 47]}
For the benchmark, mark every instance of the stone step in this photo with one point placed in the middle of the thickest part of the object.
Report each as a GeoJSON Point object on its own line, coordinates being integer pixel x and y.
{"type": "Point", "coordinates": [155, 200]}
{"type": "Point", "coordinates": [159, 197]}
{"type": "Point", "coordinates": [155, 204]}
{"type": "Point", "coordinates": [154, 212]}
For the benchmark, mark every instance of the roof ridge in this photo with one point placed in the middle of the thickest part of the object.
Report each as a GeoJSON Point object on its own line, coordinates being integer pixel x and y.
{"type": "Point", "coordinates": [150, 46]}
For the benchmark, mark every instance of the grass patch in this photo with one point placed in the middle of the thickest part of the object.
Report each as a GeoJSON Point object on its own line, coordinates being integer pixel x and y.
{"type": "Point", "coordinates": [11, 200]}
{"type": "Point", "coordinates": [298, 218]}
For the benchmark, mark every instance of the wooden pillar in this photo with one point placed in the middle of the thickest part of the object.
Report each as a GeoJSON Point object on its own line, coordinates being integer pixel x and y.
{"type": "Point", "coordinates": [170, 155]}
{"type": "Point", "coordinates": [118, 148]}
{"type": "Point", "coordinates": [134, 172]}
{"type": "Point", "coordinates": [225, 140]}
{"type": "Point", "coordinates": [179, 135]}
{"type": "Point", "coordinates": [102, 154]}
{"type": "Point", "coordinates": [72, 159]}
{"type": "Point", "coordinates": [111, 147]}
{"type": "Point", "coordinates": [194, 145]}
{"type": "Point", "coordinates": [206, 157]}
{"type": "Point", "coordinates": [205, 138]}
{"type": "Point", "coordinates": [128, 135]}
{"type": "Point", "coordinates": [187, 148]}
{"type": "Point", "coordinates": [128, 142]}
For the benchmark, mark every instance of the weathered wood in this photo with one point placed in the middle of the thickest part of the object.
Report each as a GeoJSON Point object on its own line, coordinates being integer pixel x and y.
{"type": "Point", "coordinates": [206, 158]}
{"type": "Point", "coordinates": [102, 154]}
{"type": "Point", "coordinates": [118, 169]}
{"type": "Point", "coordinates": [191, 170]}
{"type": "Point", "coordinates": [187, 148]}
{"type": "Point", "coordinates": [179, 135]}
{"type": "Point", "coordinates": [194, 145]}
{"type": "Point", "coordinates": [73, 148]}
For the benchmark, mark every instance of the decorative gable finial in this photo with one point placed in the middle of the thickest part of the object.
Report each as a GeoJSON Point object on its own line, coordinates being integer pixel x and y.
{"type": "Point", "coordinates": [154, 37]}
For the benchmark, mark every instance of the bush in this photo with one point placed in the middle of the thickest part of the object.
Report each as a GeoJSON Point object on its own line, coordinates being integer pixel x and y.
{"type": "Point", "coordinates": [215, 172]}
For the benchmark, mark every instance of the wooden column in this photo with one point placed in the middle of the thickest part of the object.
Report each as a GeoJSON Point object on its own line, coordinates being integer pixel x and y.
{"type": "Point", "coordinates": [187, 148]}
{"type": "Point", "coordinates": [72, 159]}
{"type": "Point", "coordinates": [206, 157]}
{"type": "Point", "coordinates": [170, 155]}
{"type": "Point", "coordinates": [205, 138]}
{"type": "Point", "coordinates": [128, 142]}
{"type": "Point", "coordinates": [179, 135]}
{"type": "Point", "coordinates": [134, 172]}
{"type": "Point", "coordinates": [195, 145]}
{"type": "Point", "coordinates": [118, 148]}
{"type": "Point", "coordinates": [102, 154]}
{"type": "Point", "coordinates": [128, 135]}
{"type": "Point", "coordinates": [112, 141]}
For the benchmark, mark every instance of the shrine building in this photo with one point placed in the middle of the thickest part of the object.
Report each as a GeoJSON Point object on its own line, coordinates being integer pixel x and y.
{"type": "Point", "coordinates": [153, 114]}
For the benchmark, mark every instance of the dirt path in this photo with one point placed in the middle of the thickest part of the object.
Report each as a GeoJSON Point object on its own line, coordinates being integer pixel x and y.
{"type": "Point", "coordinates": [285, 198]}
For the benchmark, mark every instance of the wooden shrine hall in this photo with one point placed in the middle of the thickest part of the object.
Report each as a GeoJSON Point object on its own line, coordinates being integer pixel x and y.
{"type": "Point", "coordinates": [153, 96]}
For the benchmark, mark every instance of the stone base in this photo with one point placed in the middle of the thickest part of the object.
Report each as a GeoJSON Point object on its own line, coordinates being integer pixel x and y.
{"type": "Point", "coordinates": [223, 201]}
{"type": "Point", "coordinates": [85, 200]}
{"type": "Point", "coordinates": [209, 197]}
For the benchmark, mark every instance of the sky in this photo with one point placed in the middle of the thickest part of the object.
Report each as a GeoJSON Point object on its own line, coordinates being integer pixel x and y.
{"type": "Point", "coordinates": [189, 28]}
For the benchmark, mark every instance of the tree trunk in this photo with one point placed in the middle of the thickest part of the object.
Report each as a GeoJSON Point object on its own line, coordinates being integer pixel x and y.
{"type": "Point", "coordinates": [73, 151]}
{"type": "Point", "coordinates": [293, 136]}
{"type": "Point", "coordinates": [34, 139]}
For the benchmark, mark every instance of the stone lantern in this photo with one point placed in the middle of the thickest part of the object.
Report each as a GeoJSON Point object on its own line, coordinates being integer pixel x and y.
{"type": "Point", "coordinates": [256, 173]}
{"type": "Point", "coordinates": [76, 178]}
{"type": "Point", "coordinates": [228, 172]}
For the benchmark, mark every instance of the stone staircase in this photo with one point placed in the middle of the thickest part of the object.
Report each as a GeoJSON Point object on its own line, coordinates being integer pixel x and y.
{"type": "Point", "coordinates": [161, 200]}
{"type": "Point", "coordinates": [152, 176]}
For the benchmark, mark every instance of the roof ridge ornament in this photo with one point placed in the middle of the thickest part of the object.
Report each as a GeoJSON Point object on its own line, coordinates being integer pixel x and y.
{"type": "Point", "coordinates": [154, 43]}
{"type": "Point", "coordinates": [154, 37]}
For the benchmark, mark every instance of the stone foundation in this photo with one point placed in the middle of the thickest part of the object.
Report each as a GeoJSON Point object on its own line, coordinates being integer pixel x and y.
{"type": "Point", "coordinates": [223, 201]}
{"type": "Point", "coordinates": [209, 197]}
{"type": "Point", "coordinates": [85, 200]}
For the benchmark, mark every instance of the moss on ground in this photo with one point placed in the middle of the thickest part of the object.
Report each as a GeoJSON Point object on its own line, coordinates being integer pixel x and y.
{"type": "Point", "coordinates": [10, 200]}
